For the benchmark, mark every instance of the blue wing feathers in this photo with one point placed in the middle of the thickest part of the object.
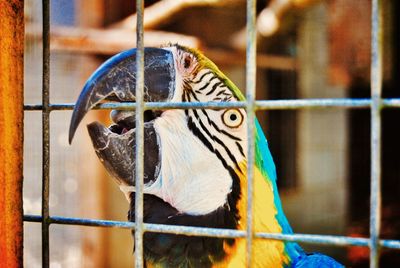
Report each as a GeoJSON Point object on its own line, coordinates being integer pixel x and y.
{"type": "Point", "coordinates": [316, 260]}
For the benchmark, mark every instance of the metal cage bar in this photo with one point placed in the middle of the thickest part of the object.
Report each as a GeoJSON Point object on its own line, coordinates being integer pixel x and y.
{"type": "Point", "coordinates": [250, 109]}
{"type": "Point", "coordinates": [226, 233]}
{"type": "Point", "coordinates": [376, 129]}
{"type": "Point", "coordinates": [260, 105]}
{"type": "Point", "coordinates": [375, 103]}
{"type": "Point", "coordinates": [139, 230]}
{"type": "Point", "coordinates": [46, 135]}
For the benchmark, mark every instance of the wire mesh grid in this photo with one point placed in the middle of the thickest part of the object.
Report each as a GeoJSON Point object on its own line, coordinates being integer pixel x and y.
{"type": "Point", "coordinates": [375, 103]}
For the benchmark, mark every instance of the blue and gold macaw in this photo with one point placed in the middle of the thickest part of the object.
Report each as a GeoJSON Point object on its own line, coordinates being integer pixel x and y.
{"type": "Point", "coordinates": [195, 161]}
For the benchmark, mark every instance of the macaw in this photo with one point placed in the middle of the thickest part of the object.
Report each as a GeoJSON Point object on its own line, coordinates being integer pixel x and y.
{"type": "Point", "coordinates": [195, 161]}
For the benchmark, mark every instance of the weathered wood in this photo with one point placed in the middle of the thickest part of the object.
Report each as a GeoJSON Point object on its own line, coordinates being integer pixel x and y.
{"type": "Point", "coordinates": [11, 132]}
{"type": "Point", "coordinates": [163, 11]}
{"type": "Point", "coordinates": [106, 41]}
{"type": "Point", "coordinates": [112, 41]}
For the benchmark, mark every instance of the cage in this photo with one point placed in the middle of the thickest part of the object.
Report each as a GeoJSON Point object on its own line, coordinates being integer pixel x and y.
{"type": "Point", "coordinates": [324, 127]}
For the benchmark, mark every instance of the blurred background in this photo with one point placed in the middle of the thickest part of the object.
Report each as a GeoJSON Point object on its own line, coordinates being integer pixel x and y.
{"type": "Point", "coordinates": [306, 49]}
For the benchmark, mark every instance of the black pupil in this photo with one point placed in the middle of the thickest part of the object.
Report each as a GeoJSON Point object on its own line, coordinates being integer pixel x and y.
{"type": "Point", "coordinates": [233, 117]}
{"type": "Point", "coordinates": [187, 62]}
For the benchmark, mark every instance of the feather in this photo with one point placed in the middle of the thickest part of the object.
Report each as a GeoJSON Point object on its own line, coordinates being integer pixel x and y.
{"type": "Point", "coordinates": [315, 260]}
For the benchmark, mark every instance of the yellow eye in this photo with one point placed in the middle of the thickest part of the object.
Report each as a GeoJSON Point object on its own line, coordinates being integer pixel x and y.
{"type": "Point", "coordinates": [232, 118]}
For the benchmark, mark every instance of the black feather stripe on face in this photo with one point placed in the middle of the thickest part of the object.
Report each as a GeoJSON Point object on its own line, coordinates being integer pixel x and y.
{"type": "Point", "coordinates": [198, 131]}
{"type": "Point", "coordinates": [202, 77]}
{"type": "Point", "coordinates": [234, 196]}
{"type": "Point", "coordinates": [212, 137]}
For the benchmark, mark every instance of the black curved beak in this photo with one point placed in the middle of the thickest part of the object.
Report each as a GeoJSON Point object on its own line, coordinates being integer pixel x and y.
{"type": "Point", "coordinates": [117, 152]}
{"type": "Point", "coordinates": [115, 80]}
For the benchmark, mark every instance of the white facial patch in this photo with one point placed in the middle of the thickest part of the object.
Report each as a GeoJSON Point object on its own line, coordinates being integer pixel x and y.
{"type": "Point", "coordinates": [192, 178]}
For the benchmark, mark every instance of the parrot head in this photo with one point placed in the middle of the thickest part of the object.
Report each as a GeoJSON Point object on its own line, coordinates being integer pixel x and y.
{"type": "Point", "coordinates": [192, 156]}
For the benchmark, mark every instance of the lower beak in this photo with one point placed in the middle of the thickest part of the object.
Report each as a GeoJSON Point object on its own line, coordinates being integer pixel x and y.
{"type": "Point", "coordinates": [117, 152]}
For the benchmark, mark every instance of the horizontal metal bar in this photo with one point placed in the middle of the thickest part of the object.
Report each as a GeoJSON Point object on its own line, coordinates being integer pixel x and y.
{"type": "Point", "coordinates": [80, 221]}
{"type": "Point", "coordinates": [149, 227]}
{"type": "Point", "coordinates": [147, 105]}
{"type": "Point", "coordinates": [215, 232]}
{"type": "Point", "coordinates": [196, 231]}
{"type": "Point", "coordinates": [318, 239]}
{"type": "Point", "coordinates": [259, 105]}
{"type": "Point", "coordinates": [313, 103]}
{"type": "Point", "coordinates": [330, 240]}
{"type": "Point", "coordinates": [388, 243]}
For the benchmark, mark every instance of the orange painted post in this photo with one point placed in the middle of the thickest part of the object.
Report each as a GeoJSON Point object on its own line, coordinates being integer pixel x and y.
{"type": "Point", "coordinates": [11, 131]}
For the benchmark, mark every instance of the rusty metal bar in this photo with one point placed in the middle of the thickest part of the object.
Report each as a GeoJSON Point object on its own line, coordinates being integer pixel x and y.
{"type": "Point", "coordinates": [46, 135]}
{"type": "Point", "coordinates": [11, 131]}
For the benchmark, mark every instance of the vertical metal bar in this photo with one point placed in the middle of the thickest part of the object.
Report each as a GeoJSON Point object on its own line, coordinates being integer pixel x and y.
{"type": "Point", "coordinates": [376, 89]}
{"type": "Point", "coordinates": [11, 131]}
{"type": "Point", "coordinates": [250, 107]}
{"type": "Point", "coordinates": [139, 136]}
{"type": "Point", "coordinates": [45, 134]}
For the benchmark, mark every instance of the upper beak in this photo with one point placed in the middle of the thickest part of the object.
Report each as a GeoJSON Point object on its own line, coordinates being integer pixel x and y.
{"type": "Point", "coordinates": [115, 80]}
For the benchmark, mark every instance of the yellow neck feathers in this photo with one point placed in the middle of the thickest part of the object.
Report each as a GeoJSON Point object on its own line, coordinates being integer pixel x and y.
{"type": "Point", "coordinates": [266, 253]}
